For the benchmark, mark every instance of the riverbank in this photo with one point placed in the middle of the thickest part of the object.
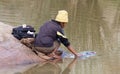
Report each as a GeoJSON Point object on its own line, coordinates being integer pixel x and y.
{"type": "Point", "coordinates": [12, 52]}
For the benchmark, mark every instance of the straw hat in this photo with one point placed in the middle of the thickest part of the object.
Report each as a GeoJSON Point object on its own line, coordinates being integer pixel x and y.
{"type": "Point", "coordinates": [62, 16]}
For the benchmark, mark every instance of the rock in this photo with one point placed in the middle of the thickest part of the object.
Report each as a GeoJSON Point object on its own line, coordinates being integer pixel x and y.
{"type": "Point", "coordinates": [12, 51]}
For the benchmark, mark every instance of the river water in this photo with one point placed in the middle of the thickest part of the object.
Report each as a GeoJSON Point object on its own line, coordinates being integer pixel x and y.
{"type": "Point", "coordinates": [94, 25]}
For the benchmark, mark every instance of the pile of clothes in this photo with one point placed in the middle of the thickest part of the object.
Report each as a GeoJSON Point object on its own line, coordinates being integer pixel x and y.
{"type": "Point", "coordinates": [25, 33]}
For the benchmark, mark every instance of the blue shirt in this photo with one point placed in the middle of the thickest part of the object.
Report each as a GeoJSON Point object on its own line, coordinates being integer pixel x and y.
{"type": "Point", "coordinates": [48, 34]}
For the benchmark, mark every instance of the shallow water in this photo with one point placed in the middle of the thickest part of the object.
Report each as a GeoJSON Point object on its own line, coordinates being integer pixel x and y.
{"type": "Point", "coordinates": [93, 25]}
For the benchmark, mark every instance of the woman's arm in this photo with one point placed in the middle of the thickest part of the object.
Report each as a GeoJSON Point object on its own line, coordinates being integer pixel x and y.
{"type": "Point", "coordinates": [72, 50]}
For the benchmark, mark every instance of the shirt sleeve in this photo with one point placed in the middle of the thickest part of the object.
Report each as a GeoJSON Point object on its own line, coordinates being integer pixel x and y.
{"type": "Point", "coordinates": [63, 39]}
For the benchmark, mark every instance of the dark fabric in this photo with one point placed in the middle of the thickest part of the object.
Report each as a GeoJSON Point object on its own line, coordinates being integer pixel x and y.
{"type": "Point", "coordinates": [20, 32]}
{"type": "Point", "coordinates": [64, 41]}
{"type": "Point", "coordinates": [48, 34]}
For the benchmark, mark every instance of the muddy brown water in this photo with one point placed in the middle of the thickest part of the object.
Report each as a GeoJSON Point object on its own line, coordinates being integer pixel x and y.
{"type": "Point", "coordinates": [93, 25]}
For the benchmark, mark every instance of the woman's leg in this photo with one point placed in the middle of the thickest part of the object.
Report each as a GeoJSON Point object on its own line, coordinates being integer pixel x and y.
{"type": "Point", "coordinates": [56, 53]}
{"type": "Point", "coordinates": [48, 52]}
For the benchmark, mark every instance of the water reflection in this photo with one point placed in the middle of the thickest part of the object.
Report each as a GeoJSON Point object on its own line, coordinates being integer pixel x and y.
{"type": "Point", "coordinates": [46, 68]}
{"type": "Point", "coordinates": [51, 68]}
{"type": "Point", "coordinates": [68, 69]}
{"type": "Point", "coordinates": [93, 25]}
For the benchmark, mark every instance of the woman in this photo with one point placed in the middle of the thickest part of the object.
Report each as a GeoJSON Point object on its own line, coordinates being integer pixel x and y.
{"type": "Point", "coordinates": [51, 34]}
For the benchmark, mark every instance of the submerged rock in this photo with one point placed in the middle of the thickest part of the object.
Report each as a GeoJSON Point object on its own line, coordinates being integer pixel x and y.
{"type": "Point", "coordinates": [12, 51]}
